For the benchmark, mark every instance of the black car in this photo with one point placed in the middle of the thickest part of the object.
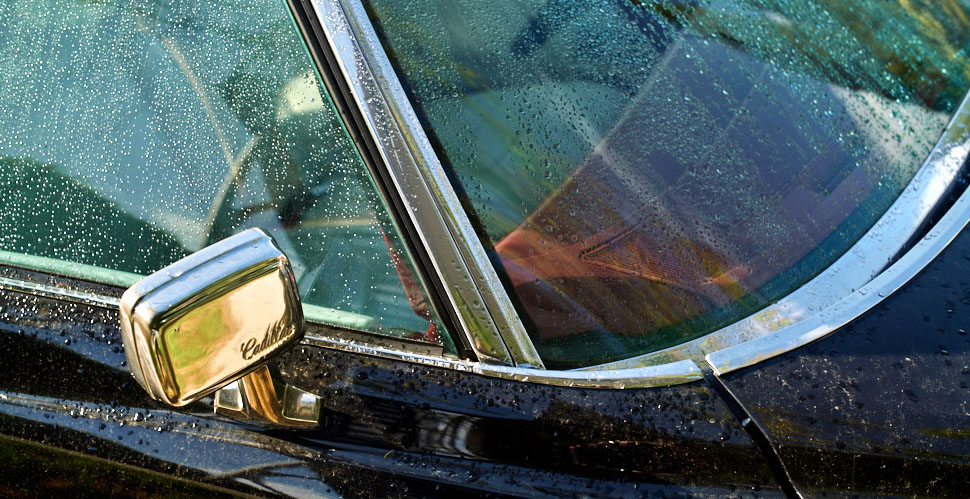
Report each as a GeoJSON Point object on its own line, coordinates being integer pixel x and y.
{"type": "Point", "coordinates": [548, 248]}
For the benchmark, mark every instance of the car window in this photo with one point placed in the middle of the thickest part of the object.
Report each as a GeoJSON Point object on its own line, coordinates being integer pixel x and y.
{"type": "Point", "coordinates": [134, 133]}
{"type": "Point", "coordinates": [648, 172]}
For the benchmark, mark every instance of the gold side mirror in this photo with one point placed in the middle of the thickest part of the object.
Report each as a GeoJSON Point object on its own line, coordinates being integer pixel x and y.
{"type": "Point", "coordinates": [212, 318]}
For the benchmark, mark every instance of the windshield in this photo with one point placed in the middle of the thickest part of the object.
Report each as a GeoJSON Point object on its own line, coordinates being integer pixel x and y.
{"type": "Point", "coordinates": [646, 172]}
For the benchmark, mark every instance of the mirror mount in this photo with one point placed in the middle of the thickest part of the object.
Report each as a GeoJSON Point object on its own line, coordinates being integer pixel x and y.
{"type": "Point", "coordinates": [261, 396]}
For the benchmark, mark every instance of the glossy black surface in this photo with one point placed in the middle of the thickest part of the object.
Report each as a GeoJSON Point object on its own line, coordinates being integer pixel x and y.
{"type": "Point", "coordinates": [882, 405]}
{"type": "Point", "coordinates": [388, 428]}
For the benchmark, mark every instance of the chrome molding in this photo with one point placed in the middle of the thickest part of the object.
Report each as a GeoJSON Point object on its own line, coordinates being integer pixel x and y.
{"type": "Point", "coordinates": [473, 289]}
{"type": "Point", "coordinates": [839, 314]}
{"type": "Point", "coordinates": [847, 288]}
{"type": "Point", "coordinates": [674, 373]}
{"type": "Point", "coordinates": [59, 293]}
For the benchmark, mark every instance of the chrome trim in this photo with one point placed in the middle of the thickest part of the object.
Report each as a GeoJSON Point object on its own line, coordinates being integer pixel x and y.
{"type": "Point", "coordinates": [822, 304]}
{"type": "Point", "coordinates": [58, 293]}
{"type": "Point", "coordinates": [841, 313]}
{"type": "Point", "coordinates": [674, 373]}
{"type": "Point", "coordinates": [473, 289]}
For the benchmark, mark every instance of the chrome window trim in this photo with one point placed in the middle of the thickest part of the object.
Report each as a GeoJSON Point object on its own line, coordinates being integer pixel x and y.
{"type": "Point", "coordinates": [68, 289]}
{"type": "Point", "coordinates": [59, 293]}
{"type": "Point", "coordinates": [862, 300]}
{"type": "Point", "coordinates": [674, 373]}
{"type": "Point", "coordinates": [839, 293]}
{"type": "Point", "coordinates": [487, 316]}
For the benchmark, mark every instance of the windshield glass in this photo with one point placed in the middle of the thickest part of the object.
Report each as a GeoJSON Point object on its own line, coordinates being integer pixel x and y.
{"type": "Point", "coordinates": [646, 172]}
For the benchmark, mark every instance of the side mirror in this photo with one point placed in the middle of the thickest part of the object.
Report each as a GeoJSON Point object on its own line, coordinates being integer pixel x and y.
{"type": "Point", "coordinates": [212, 318]}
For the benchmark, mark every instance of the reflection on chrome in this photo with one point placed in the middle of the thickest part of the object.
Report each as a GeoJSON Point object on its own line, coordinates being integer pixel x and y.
{"type": "Point", "coordinates": [256, 397]}
{"type": "Point", "coordinates": [211, 318]}
{"type": "Point", "coordinates": [863, 299]}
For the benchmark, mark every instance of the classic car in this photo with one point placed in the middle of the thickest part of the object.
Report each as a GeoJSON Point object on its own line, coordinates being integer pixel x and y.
{"type": "Point", "coordinates": [542, 248]}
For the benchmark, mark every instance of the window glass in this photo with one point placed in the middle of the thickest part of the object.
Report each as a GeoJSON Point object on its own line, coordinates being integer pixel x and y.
{"type": "Point", "coordinates": [134, 133]}
{"type": "Point", "coordinates": [646, 172]}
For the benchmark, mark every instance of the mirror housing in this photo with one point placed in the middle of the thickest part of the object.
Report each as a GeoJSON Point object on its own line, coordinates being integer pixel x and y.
{"type": "Point", "coordinates": [211, 318]}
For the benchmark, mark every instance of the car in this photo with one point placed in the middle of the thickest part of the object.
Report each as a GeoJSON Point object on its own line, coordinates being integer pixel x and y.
{"type": "Point", "coordinates": [543, 248]}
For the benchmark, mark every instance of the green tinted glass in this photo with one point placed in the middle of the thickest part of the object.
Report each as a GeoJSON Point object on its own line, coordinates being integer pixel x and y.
{"type": "Point", "coordinates": [649, 171]}
{"type": "Point", "coordinates": [134, 133]}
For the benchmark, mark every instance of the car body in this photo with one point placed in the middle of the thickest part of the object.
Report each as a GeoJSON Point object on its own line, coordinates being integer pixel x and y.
{"type": "Point", "coordinates": [474, 315]}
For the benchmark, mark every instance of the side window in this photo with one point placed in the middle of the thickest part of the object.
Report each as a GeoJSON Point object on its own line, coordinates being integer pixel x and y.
{"type": "Point", "coordinates": [134, 133]}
